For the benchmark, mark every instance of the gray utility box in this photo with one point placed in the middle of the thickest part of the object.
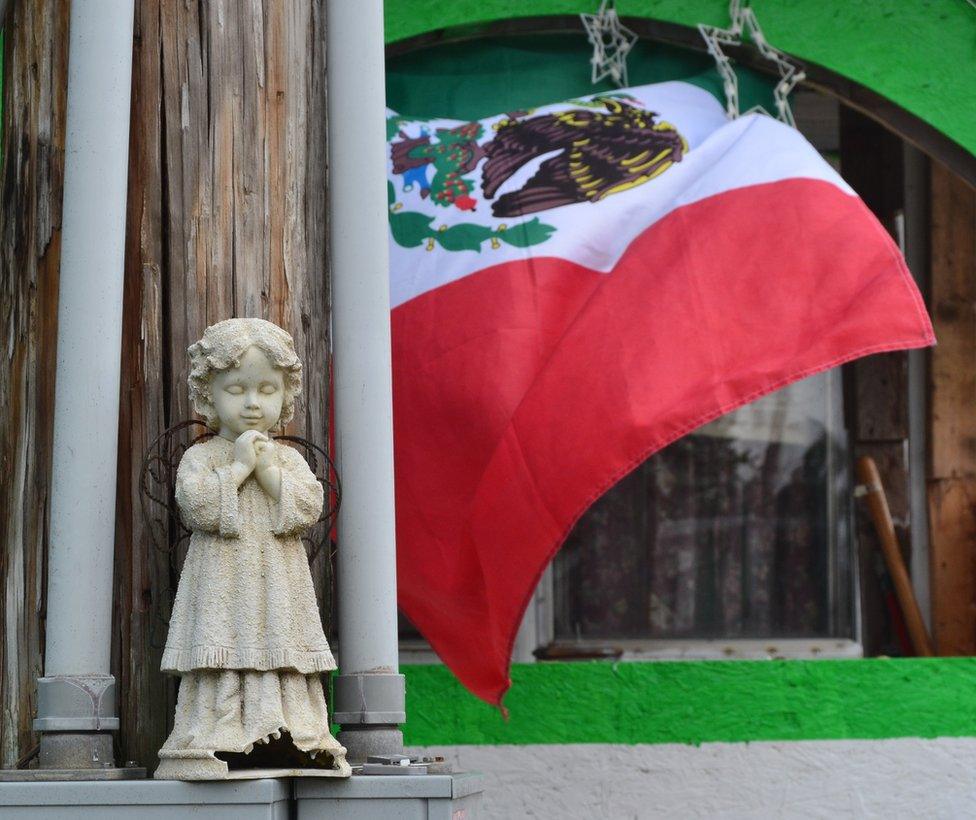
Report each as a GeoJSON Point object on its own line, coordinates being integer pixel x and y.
{"type": "Point", "coordinates": [363, 797]}
{"type": "Point", "coordinates": [145, 800]}
{"type": "Point", "coordinates": [390, 797]}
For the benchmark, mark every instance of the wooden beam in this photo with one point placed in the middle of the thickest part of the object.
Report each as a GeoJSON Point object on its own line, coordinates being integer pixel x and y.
{"type": "Point", "coordinates": [226, 218]}
{"type": "Point", "coordinates": [952, 505]}
{"type": "Point", "coordinates": [952, 434]}
{"type": "Point", "coordinates": [877, 400]}
{"type": "Point", "coordinates": [34, 107]}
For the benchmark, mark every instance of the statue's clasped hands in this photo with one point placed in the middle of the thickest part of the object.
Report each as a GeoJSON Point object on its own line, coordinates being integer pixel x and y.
{"type": "Point", "coordinates": [254, 453]}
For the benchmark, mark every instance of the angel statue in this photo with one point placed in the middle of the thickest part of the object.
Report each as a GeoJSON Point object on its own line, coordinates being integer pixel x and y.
{"type": "Point", "coordinates": [245, 635]}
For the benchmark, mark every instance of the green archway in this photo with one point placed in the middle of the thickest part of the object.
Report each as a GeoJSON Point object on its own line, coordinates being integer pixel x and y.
{"type": "Point", "coordinates": [910, 64]}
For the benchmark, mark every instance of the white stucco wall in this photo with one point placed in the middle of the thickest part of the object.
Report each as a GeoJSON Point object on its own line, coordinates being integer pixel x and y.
{"type": "Point", "coordinates": [908, 778]}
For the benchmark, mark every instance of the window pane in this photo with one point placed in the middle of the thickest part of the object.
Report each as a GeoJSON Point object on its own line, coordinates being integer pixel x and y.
{"type": "Point", "coordinates": [731, 532]}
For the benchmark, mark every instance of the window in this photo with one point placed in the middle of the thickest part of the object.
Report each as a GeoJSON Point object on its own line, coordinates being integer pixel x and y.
{"type": "Point", "coordinates": [734, 541]}
{"type": "Point", "coordinates": [738, 531]}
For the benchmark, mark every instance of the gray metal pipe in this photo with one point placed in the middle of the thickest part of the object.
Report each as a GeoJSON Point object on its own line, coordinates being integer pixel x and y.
{"type": "Point", "coordinates": [77, 692]}
{"type": "Point", "coordinates": [369, 697]}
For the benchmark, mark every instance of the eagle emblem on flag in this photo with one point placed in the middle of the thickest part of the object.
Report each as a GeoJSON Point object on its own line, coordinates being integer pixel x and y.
{"type": "Point", "coordinates": [589, 151]}
{"type": "Point", "coordinates": [600, 153]}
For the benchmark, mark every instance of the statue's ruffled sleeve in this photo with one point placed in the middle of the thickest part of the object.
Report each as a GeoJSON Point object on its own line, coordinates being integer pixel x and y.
{"type": "Point", "coordinates": [206, 495]}
{"type": "Point", "coordinates": [300, 501]}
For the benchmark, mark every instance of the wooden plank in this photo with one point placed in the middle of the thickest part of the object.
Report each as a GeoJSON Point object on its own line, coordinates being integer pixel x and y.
{"type": "Point", "coordinates": [877, 386]}
{"type": "Point", "coordinates": [141, 570]}
{"type": "Point", "coordinates": [871, 162]}
{"type": "Point", "coordinates": [952, 433]}
{"type": "Point", "coordinates": [952, 508]}
{"type": "Point", "coordinates": [35, 67]}
{"type": "Point", "coordinates": [953, 273]}
{"type": "Point", "coordinates": [881, 391]}
{"type": "Point", "coordinates": [226, 218]}
{"type": "Point", "coordinates": [311, 304]}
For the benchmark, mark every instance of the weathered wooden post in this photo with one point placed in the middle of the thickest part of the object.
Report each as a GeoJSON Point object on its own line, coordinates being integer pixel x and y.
{"type": "Point", "coordinates": [34, 92]}
{"type": "Point", "coordinates": [226, 218]}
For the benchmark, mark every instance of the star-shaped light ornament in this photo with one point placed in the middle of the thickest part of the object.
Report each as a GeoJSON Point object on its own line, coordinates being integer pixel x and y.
{"type": "Point", "coordinates": [744, 22]}
{"type": "Point", "coordinates": [611, 42]}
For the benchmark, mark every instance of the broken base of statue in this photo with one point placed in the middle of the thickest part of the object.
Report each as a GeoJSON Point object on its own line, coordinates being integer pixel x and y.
{"type": "Point", "coordinates": [215, 769]}
{"type": "Point", "coordinates": [277, 757]}
{"type": "Point", "coordinates": [173, 770]}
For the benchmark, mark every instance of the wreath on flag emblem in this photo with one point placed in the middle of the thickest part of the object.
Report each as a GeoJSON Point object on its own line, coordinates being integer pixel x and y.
{"type": "Point", "coordinates": [608, 145]}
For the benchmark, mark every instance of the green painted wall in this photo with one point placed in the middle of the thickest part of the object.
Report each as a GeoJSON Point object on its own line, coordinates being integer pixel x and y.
{"type": "Point", "coordinates": [697, 702]}
{"type": "Point", "coordinates": [471, 80]}
{"type": "Point", "coordinates": [919, 53]}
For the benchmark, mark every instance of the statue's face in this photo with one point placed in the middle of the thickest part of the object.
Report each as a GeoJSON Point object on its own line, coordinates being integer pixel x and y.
{"type": "Point", "coordinates": [248, 397]}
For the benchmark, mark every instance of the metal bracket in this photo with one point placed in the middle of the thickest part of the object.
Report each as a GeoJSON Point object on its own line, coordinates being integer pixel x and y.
{"type": "Point", "coordinates": [393, 765]}
{"type": "Point", "coordinates": [862, 490]}
{"type": "Point", "coordinates": [369, 699]}
{"type": "Point", "coordinates": [76, 703]}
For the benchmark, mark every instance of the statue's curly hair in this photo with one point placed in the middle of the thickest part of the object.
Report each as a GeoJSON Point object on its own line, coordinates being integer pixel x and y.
{"type": "Point", "coordinates": [224, 344]}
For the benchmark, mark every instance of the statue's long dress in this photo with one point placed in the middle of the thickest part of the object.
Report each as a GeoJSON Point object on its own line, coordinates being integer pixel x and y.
{"type": "Point", "coordinates": [245, 634]}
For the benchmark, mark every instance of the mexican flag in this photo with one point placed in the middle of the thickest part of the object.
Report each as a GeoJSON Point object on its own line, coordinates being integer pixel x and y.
{"type": "Point", "coordinates": [573, 288]}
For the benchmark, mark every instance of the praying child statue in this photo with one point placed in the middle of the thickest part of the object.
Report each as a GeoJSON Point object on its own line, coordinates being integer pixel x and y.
{"type": "Point", "coordinates": [245, 635]}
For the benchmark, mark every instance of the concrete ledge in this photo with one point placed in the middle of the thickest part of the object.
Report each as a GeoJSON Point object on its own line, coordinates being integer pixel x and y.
{"type": "Point", "coordinates": [390, 797]}
{"type": "Point", "coordinates": [370, 787]}
{"type": "Point", "coordinates": [145, 799]}
{"type": "Point", "coordinates": [362, 797]}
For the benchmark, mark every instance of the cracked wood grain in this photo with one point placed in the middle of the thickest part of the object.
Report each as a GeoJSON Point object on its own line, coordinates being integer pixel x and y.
{"type": "Point", "coordinates": [226, 217]}
{"type": "Point", "coordinates": [35, 69]}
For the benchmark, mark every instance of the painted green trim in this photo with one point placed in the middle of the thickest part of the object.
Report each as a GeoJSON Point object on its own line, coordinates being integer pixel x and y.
{"type": "Point", "coordinates": [472, 80]}
{"type": "Point", "coordinates": [921, 54]}
{"type": "Point", "coordinates": [698, 702]}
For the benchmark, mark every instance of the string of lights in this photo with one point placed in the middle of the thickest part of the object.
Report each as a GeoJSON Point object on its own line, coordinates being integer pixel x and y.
{"type": "Point", "coordinates": [611, 42]}
{"type": "Point", "coordinates": [744, 22]}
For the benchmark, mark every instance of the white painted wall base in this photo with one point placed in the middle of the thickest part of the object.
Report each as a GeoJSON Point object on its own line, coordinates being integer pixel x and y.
{"type": "Point", "coordinates": [907, 778]}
